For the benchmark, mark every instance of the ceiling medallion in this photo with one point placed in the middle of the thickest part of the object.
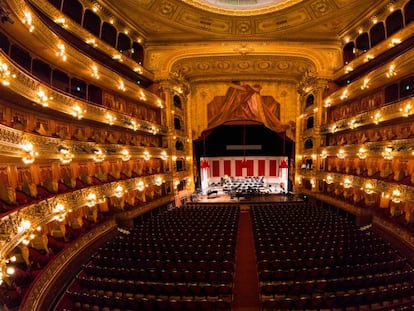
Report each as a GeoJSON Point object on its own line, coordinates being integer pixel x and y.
{"type": "Point", "coordinates": [242, 7]}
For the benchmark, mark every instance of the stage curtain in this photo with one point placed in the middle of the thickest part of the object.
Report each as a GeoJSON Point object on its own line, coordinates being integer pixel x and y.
{"type": "Point", "coordinates": [273, 168]}
{"type": "Point", "coordinates": [216, 168]}
{"type": "Point", "coordinates": [244, 102]}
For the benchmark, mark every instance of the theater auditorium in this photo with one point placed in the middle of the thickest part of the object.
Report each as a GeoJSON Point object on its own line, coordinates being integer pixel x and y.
{"type": "Point", "coordinates": [206, 155]}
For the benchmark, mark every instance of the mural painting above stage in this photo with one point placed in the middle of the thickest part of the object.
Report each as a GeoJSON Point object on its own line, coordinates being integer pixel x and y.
{"type": "Point", "coordinates": [270, 174]}
{"type": "Point", "coordinates": [244, 103]}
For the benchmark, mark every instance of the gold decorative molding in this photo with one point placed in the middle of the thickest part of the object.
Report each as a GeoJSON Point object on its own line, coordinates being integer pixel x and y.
{"type": "Point", "coordinates": [43, 212]}
{"type": "Point", "coordinates": [43, 285]}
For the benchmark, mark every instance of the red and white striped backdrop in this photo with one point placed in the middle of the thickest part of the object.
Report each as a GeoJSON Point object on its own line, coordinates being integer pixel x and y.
{"type": "Point", "coordinates": [242, 166]}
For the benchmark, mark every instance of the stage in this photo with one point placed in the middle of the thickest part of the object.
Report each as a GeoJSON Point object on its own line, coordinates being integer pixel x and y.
{"type": "Point", "coordinates": [223, 197]}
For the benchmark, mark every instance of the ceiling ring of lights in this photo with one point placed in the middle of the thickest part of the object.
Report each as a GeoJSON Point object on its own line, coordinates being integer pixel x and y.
{"type": "Point", "coordinates": [242, 7]}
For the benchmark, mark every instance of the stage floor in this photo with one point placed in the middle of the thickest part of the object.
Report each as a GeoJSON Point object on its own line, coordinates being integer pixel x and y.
{"type": "Point", "coordinates": [226, 198]}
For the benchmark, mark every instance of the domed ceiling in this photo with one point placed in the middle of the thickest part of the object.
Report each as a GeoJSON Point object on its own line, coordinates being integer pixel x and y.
{"type": "Point", "coordinates": [241, 38]}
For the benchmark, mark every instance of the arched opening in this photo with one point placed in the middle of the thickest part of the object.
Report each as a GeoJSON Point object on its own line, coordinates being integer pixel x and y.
{"type": "Point", "coordinates": [409, 12]}
{"type": "Point", "coordinates": [177, 101]}
{"type": "Point", "coordinates": [309, 123]}
{"type": "Point", "coordinates": [124, 44]}
{"type": "Point", "coordinates": [138, 53]}
{"type": "Point", "coordinates": [308, 144]}
{"type": "Point", "coordinates": [377, 34]}
{"type": "Point", "coordinates": [179, 146]}
{"type": "Point", "coordinates": [109, 34]}
{"type": "Point", "coordinates": [362, 43]}
{"type": "Point", "coordinates": [310, 100]}
{"type": "Point", "coordinates": [240, 150]}
{"type": "Point", "coordinates": [92, 23]}
{"type": "Point", "coordinates": [394, 23]}
{"type": "Point", "coordinates": [348, 52]}
{"type": "Point", "coordinates": [74, 10]}
{"type": "Point", "coordinates": [177, 123]}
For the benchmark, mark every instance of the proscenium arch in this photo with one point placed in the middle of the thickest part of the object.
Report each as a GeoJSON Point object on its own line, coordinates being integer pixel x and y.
{"type": "Point", "coordinates": [323, 59]}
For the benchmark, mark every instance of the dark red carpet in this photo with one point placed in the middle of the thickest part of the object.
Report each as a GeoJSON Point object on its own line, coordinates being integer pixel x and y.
{"type": "Point", "coordinates": [246, 285]}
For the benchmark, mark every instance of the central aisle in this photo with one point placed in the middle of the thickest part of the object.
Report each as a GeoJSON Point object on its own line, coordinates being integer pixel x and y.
{"type": "Point", "coordinates": [246, 288]}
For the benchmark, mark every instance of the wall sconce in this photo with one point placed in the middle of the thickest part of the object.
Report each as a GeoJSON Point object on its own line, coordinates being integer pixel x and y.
{"type": "Point", "coordinates": [27, 20]}
{"type": "Point", "coordinates": [117, 57]}
{"type": "Point", "coordinates": [119, 191]}
{"type": "Point", "coordinates": [158, 181]}
{"type": "Point", "coordinates": [333, 128]}
{"type": "Point", "coordinates": [164, 155]}
{"type": "Point", "coordinates": [394, 42]}
{"type": "Point", "coordinates": [299, 179]}
{"type": "Point", "coordinates": [99, 156]}
{"type": "Point", "coordinates": [24, 226]}
{"type": "Point", "coordinates": [142, 96]}
{"type": "Point", "coordinates": [77, 111]}
{"type": "Point", "coordinates": [352, 124]}
{"type": "Point", "coordinates": [42, 98]}
{"type": "Point", "coordinates": [6, 271]}
{"type": "Point", "coordinates": [347, 183]}
{"type": "Point", "coordinates": [154, 130]}
{"type": "Point", "coordinates": [91, 42]}
{"type": "Point", "coordinates": [125, 156]}
{"type": "Point", "coordinates": [91, 199]}
{"type": "Point", "coordinates": [369, 188]}
{"type": "Point", "coordinates": [329, 179]}
{"type": "Point", "coordinates": [61, 21]}
{"type": "Point", "coordinates": [159, 103]}
{"type": "Point", "coordinates": [134, 125]}
{"type": "Point", "coordinates": [147, 155]}
{"type": "Point", "coordinates": [60, 211]}
{"type": "Point", "coordinates": [365, 84]}
{"type": "Point", "coordinates": [341, 154]}
{"type": "Point", "coordinates": [396, 196]}
{"type": "Point", "coordinates": [391, 71]}
{"type": "Point", "coordinates": [344, 95]}
{"type": "Point", "coordinates": [121, 86]}
{"type": "Point", "coordinates": [348, 69]}
{"type": "Point", "coordinates": [327, 103]}
{"type": "Point", "coordinates": [387, 153]}
{"type": "Point", "coordinates": [31, 154]}
{"type": "Point", "coordinates": [66, 156]}
{"type": "Point", "coordinates": [110, 118]}
{"type": "Point", "coordinates": [406, 110]}
{"type": "Point", "coordinates": [95, 73]}
{"type": "Point", "coordinates": [362, 153]}
{"type": "Point", "coordinates": [368, 57]}
{"type": "Point", "coordinates": [377, 118]}
{"type": "Point", "coordinates": [5, 74]}
{"type": "Point", "coordinates": [61, 53]}
{"type": "Point", "coordinates": [140, 185]}
{"type": "Point", "coordinates": [138, 70]}
{"type": "Point", "coordinates": [174, 158]}
{"type": "Point", "coordinates": [313, 183]}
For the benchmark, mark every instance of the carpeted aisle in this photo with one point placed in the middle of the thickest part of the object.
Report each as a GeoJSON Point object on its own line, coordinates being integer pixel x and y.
{"type": "Point", "coordinates": [246, 283]}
